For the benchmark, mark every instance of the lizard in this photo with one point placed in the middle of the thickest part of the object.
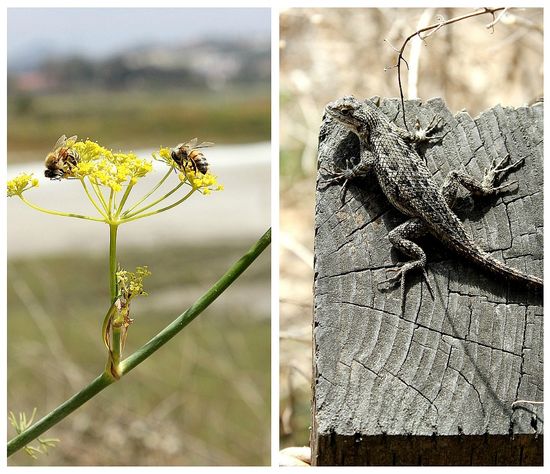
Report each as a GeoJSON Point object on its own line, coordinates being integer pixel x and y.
{"type": "Point", "coordinates": [391, 154]}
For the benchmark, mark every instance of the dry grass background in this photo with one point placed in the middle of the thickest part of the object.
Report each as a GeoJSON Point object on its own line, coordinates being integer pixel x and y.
{"type": "Point", "coordinates": [329, 53]}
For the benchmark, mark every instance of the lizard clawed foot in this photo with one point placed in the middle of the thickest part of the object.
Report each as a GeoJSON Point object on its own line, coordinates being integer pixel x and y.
{"type": "Point", "coordinates": [497, 172]}
{"type": "Point", "coordinates": [399, 277]}
{"type": "Point", "coordinates": [425, 134]}
{"type": "Point", "coordinates": [335, 175]}
{"type": "Point", "coordinates": [391, 281]}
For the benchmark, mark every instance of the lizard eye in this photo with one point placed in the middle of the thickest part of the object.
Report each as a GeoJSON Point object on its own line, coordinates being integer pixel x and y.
{"type": "Point", "coordinates": [345, 111]}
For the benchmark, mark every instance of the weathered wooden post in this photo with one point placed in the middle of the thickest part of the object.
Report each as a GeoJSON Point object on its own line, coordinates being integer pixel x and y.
{"type": "Point", "coordinates": [442, 383]}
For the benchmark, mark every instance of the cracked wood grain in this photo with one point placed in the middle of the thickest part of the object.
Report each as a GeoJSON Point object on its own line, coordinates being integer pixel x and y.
{"type": "Point", "coordinates": [436, 384]}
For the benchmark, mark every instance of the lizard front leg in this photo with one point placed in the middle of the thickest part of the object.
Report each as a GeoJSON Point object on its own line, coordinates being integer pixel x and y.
{"type": "Point", "coordinates": [421, 134]}
{"type": "Point", "coordinates": [400, 237]}
{"type": "Point", "coordinates": [350, 172]}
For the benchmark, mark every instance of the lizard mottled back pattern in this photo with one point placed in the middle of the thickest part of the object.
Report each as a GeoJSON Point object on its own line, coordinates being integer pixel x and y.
{"type": "Point", "coordinates": [390, 153]}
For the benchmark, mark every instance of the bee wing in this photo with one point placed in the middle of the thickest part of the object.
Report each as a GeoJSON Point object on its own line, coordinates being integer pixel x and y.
{"type": "Point", "coordinates": [60, 141]}
{"type": "Point", "coordinates": [72, 140]}
{"type": "Point", "coordinates": [192, 143]}
{"type": "Point", "coordinates": [204, 145]}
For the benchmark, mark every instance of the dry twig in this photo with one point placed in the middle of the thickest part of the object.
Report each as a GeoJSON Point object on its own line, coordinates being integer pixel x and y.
{"type": "Point", "coordinates": [430, 30]}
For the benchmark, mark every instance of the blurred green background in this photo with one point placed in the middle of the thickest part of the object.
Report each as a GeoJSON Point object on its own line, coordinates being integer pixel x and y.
{"type": "Point", "coordinates": [127, 80]}
{"type": "Point", "coordinates": [136, 118]}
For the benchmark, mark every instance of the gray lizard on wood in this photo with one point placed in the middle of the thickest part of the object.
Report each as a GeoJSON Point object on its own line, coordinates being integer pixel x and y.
{"type": "Point", "coordinates": [391, 154]}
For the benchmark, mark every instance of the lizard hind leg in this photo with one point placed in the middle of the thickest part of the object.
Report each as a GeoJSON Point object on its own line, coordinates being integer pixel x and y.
{"type": "Point", "coordinates": [498, 170]}
{"type": "Point", "coordinates": [487, 187]}
{"type": "Point", "coordinates": [400, 237]}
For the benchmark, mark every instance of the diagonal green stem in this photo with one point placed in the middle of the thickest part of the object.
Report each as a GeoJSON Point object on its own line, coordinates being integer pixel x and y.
{"type": "Point", "coordinates": [104, 380]}
{"type": "Point", "coordinates": [198, 306]}
{"type": "Point", "coordinates": [55, 416]}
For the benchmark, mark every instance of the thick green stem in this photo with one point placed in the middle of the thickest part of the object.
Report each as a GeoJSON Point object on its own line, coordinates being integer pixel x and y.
{"type": "Point", "coordinates": [144, 352]}
{"type": "Point", "coordinates": [198, 306]}
{"type": "Point", "coordinates": [114, 355]}
{"type": "Point", "coordinates": [59, 413]}
{"type": "Point", "coordinates": [117, 349]}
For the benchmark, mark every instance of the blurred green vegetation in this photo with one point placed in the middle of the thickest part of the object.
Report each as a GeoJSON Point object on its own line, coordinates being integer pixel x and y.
{"type": "Point", "coordinates": [203, 399]}
{"type": "Point", "coordinates": [290, 166]}
{"type": "Point", "coordinates": [137, 118]}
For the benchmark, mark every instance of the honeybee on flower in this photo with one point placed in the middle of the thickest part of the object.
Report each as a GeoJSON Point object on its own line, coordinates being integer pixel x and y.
{"type": "Point", "coordinates": [62, 160]}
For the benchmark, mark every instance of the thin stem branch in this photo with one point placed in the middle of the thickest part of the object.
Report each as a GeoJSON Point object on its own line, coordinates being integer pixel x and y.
{"type": "Point", "coordinates": [99, 195]}
{"type": "Point", "coordinates": [58, 213]}
{"type": "Point", "coordinates": [149, 206]}
{"type": "Point", "coordinates": [104, 380]}
{"type": "Point", "coordinates": [92, 200]}
{"type": "Point", "coordinates": [111, 203]}
{"type": "Point", "coordinates": [135, 216]}
{"type": "Point", "coordinates": [113, 228]}
{"type": "Point", "coordinates": [159, 184]}
{"type": "Point", "coordinates": [124, 198]}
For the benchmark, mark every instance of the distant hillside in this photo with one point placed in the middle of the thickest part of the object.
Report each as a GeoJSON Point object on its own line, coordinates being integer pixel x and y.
{"type": "Point", "coordinates": [209, 64]}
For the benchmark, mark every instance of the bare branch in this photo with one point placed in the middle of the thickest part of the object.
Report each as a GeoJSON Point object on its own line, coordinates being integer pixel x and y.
{"type": "Point", "coordinates": [432, 29]}
{"type": "Point", "coordinates": [491, 25]}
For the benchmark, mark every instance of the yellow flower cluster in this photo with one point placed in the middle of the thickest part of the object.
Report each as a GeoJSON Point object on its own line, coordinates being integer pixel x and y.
{"type": "Point", "coordinates": [107, 168]}
{"type": "Point", "coordinates": [165, 155]}
{"type": "Point", "coordinates": [205, 183]}
{"type": "Point", "coordinates": [130, 284]}
{"type": "Point", "coordinates": [21, 183]}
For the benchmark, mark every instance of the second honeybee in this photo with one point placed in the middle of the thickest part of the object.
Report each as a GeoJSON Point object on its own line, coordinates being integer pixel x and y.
{"type": "Point", "coordinates": [188, 153]}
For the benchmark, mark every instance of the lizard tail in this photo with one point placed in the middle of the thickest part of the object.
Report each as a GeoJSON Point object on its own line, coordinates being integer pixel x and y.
{"type": "Point", "coordinates": [489, 262]}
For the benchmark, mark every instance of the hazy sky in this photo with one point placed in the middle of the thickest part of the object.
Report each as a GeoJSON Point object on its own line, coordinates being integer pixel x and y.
{"type": "Point", "coordinates": [100, 31]}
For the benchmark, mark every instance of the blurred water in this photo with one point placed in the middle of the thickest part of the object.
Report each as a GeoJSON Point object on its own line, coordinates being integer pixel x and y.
{"type": "Point", "coordinates": [240, 212]}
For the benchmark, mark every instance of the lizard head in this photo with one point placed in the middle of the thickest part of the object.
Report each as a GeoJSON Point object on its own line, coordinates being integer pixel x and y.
{"type": "Point", "coordinates": [349, 112]}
